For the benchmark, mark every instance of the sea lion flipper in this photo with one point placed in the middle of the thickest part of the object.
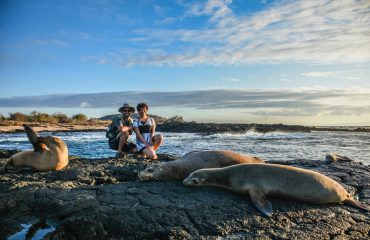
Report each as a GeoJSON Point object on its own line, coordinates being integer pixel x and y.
{"type": "Point", "coordinates": [357, 204]}
{"type": "Point", "coordinates": [34, 138]}
{"type": "Point", "coordinates": [260, 201]}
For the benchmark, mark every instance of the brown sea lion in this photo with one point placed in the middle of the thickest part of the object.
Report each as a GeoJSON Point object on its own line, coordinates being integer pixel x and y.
{"type": "Point", "coordinates": [261, 180]}
{"type": "Point", "coordinates": [333, 158]}
{"type": "Point", "coordinates": [50, 153]}
{"type": "Point", "coordinates": [181, 168]}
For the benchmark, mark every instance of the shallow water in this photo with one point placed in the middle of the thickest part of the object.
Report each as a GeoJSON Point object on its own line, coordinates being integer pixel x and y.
{"type": "Point", "coordinates": [33, 231]}
{"type": "Point", "coordinates": [270, 146]}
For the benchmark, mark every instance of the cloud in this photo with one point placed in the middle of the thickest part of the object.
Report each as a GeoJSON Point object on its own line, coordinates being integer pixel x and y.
{"type": "Point", "coordinates": [261, 102]}
{"type": "Point", "coordinates": [321, 32]}
{"type": "Point", "coordinates": [217, 9]}
{"type": "Point", "coordinates": [343, 75]}
{"type": "Point", "coordinates": [323, 74]}
{"type": "Point", "coordinates": [85, 104]}
{"type": "Point", "coordinates": [231, 79]}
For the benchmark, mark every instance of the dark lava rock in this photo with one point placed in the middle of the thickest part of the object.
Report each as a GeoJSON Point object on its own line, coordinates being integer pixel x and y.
{"type": "Point", "coordinates": [212, 128]}
{"type": "Point", "coordinates": [103, 199]}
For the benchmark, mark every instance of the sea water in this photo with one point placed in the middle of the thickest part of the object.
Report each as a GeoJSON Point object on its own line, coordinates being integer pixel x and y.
{"type": "Point", "coordinates": [269, 146]}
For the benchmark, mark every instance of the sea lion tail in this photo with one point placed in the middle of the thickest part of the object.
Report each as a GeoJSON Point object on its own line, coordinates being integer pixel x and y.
{"type": "Point", "coordinates": [357, 204]}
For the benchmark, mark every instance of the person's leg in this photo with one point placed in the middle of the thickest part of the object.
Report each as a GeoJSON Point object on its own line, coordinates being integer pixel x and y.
{"type": "Point", "coordinates": [157, 141]}
{"type": "Point", "coordinates": [129, 148]}
{"type": "Point", "coordinates": [122, 141]}
{"type": "Point", "coordinates": [150, 153]}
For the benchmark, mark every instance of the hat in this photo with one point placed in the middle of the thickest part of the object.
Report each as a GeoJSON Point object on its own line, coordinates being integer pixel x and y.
{"type": "Point", "coordinates": [126, 106]}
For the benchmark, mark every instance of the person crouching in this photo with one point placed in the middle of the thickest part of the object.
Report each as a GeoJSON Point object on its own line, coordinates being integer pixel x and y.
{"type": "Point", "coordinates": [122, 129]}
{"type": "Point", "coordinates": [147, 142]}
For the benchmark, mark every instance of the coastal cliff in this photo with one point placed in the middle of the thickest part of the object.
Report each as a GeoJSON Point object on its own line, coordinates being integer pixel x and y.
{"type": "Point", "coordinates": [103, 199]}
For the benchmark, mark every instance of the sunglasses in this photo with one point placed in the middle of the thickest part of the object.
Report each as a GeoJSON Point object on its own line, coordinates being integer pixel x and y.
{"type": "Point", "coordinates": [126, 110]}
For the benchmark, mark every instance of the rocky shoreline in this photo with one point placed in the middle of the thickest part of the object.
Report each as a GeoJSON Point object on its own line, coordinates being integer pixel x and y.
{"type": "Point", "coordinates": [183, 127]}
{"type": "Point", "coordinates": [103, 199]}
{"type": "Point", "coordinates": [212, 128]}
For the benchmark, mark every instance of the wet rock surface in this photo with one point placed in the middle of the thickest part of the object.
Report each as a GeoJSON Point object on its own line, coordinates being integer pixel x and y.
{"type": "Point", "coordinates": [103, 199]}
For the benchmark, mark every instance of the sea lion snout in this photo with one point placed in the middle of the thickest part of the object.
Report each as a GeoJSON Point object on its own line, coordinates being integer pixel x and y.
{"type": "Point", "coordinates": [148, 174]}
{"type": "Point", "coordinates": [191, 181]}
{"type": "Point", "coordinates": [144, 176]}
{"type": "Point", "coordinates": [196, 178]}
{"type": "Point", "coordinates": [186, 181]}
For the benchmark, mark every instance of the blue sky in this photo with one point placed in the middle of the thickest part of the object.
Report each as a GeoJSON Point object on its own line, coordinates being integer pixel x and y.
{"type": "Point", "coordinates": [56, 47]}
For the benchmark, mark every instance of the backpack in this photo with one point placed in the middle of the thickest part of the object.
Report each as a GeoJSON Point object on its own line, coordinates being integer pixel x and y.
{"type": "Point", "coordinates": [111, 131]}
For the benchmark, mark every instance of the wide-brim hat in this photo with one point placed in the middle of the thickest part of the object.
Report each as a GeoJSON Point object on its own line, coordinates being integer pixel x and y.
{"type": "Point", "coordinates": [126, 106]}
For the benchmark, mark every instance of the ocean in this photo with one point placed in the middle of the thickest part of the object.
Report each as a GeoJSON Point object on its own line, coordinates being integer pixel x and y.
{"type": "Point", "coordinates": [269, 146]}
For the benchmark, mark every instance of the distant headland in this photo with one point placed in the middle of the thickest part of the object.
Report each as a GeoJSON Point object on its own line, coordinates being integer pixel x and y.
{"type": "Point", "coordinates": [60, 122]}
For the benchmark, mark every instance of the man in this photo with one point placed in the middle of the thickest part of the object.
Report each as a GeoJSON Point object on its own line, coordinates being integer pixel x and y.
{"type": "Point", "coordinates": [146, 140]}
{"type": "Point", "coordinates": [121, 129]}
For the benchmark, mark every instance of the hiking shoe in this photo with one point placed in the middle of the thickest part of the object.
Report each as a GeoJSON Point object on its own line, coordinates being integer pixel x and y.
{"type": "Point", "coordinates": [120, 155]}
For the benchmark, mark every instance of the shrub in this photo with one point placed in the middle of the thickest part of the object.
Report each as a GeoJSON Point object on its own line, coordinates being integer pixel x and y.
{"type": "Point", "coordinates": [33, 117]}
{"type": "Point", "coordinates": [41, 117]}
{"type": "Point", "coordinates": [79, 118]}
{"type": "Point", "coordinates": [18, 116]}
{"type": "Point", "coordinates": [46, 118]}
{"type": "Point", "coordinates": [62, 118]}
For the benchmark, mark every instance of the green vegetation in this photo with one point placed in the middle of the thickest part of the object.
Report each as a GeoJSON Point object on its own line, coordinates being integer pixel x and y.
{"type": "Point", "coordinates": [79, 118]}
{"type": "Point", "coordinates": [17, 116]}
{"type": "Point", "coordinates": [44, 117]}
{"type": "Point", "coordinates": [38, 117]}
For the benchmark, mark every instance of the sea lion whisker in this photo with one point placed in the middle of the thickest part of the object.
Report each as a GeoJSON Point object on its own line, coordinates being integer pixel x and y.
{"type": "Point", "coordinates": [155, 178]}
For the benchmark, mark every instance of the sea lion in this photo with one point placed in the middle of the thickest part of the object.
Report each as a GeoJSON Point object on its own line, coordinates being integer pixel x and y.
{"type": "Point", "coordinates": [181, 168]}
{"type": "Point", "coordinates": [333, 158]}
{"type": "Point", "coordinates": [261, 180]}
{"type": "Point", "coordinates": [50, 153]}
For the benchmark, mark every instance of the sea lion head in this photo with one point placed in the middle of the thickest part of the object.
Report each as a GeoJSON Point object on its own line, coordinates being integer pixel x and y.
{"type": "Point", "coordinates": [197, 178]}
{"type": "Point", "coordinates": [151, 173]}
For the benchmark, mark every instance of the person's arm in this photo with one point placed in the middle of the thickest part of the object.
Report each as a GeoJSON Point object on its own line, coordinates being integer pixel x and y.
{"type": "Point", "coordinates": [152, 132]}
{"type": "Point", "coordinates": [125, 128]}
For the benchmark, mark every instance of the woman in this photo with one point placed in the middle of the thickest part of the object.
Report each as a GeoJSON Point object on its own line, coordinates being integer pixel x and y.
{"type": "Point", "coordinates": [144, 128]}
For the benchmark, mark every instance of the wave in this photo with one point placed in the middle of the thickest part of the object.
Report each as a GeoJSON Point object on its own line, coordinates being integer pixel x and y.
{"type": "Point", "coordinates": [270, 146]}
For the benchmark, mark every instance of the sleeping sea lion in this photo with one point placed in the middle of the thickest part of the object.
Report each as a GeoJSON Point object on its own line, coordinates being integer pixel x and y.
{"type": "Point", "coordinates": [261, 180]}
{"type": "Point", "coordinates": [181, 168]}
{"type": "Point", "coordinates": [50, 153]}
{"type": "Point", "coordinates": [333, 158]}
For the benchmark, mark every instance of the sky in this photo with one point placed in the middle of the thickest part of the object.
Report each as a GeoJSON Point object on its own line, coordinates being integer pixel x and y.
{"type": "Point", "coordinates": [313, 48]}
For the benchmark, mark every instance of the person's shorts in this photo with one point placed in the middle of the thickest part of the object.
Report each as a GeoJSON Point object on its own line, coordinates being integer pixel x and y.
{"type": "Point", "coordinates": [128, 147]}
{"type": "Point", "coordinates": [141, 146]}
{"type": "Point", "coordinates": [141, 150]}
